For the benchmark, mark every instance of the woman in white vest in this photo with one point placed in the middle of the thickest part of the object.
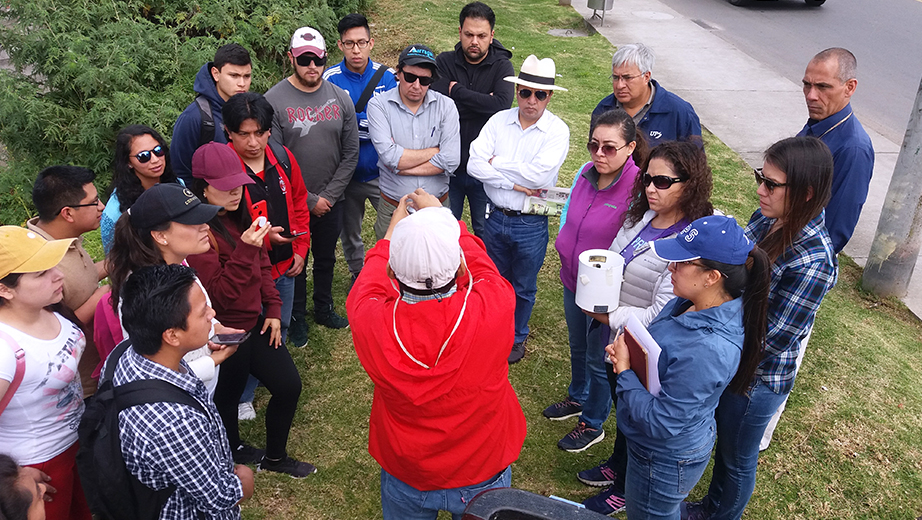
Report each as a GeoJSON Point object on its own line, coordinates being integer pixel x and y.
{"type": "Point", "coordinates": [673, 191]}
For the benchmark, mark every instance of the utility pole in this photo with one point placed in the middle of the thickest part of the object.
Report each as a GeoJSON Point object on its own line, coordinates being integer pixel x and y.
{"type": "Point", "coordinates": [899, 231]}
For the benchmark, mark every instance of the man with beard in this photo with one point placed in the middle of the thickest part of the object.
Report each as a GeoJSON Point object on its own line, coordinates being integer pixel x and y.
{"type": "Point", "coordinates": [472, 75]}
{"type": "Point", "coordinates": [316, 121]}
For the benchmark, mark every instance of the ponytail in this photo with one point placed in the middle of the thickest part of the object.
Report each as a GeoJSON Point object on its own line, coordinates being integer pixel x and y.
{"type": "Point", "coordinates": [755, 319]}
{"type": "Point", "coordinates": [132, 249]}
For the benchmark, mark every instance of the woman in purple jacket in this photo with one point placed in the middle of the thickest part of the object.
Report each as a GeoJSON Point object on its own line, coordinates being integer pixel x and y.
{"type": "Point", "coordinates": [598, 201]}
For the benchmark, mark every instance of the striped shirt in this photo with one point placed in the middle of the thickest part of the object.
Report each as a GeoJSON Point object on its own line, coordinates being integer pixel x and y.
{"type": "Point", "coordinates": [801, 277]}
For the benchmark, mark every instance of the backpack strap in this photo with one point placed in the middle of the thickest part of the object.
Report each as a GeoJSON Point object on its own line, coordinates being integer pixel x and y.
{"type": "Point", "coordinates": [207, 129]}
{"type": "Point", "coordinates": [20, 355]}
{"type": "Point", "coordinates": [147, 391]}
{"type": "Point", "coordinates": [281, 156]}
{"type": "Point", "coordinates": [370, 89]}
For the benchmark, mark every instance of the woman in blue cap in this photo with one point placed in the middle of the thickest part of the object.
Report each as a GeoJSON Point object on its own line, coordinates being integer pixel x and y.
{"type": "Point", "coordinates": [711, 336]}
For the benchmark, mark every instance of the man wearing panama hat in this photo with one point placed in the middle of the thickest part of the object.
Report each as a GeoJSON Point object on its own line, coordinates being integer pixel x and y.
{"type": "Point", "coordinates": [519, 151]}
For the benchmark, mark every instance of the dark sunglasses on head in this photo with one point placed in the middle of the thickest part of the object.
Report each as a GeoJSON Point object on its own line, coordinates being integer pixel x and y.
{"type": "Point", "coordinates": [305, 60]}
{"type": "Point", "coordinates": [762, 179]}
{"type": "Point", "coordinates": [145, 156]}
{"type": "Point", "coordinates": [605, 149]}
{"type": "Point", "coordinates": [660, 182]}
{"type": "Point", "coordinates": [424, 81]}
{"type": "Point", "coordinates": [526, 93]}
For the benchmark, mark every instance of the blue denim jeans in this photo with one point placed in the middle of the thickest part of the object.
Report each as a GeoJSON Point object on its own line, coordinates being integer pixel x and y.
{"type": "Point", "coordinates": [741, 421]}
{"type": "Point", "coordinates": [286, 288]}
{"type": "Point", "coordinates": [401, 501]}
{"type": "Point", "coordinates": [463, 185]}
{"type": "Point", "coordinates": [588, 382]}
{"type": "Point", "coordinates": [517, 245]}
{"type": "Point", "coordinates": [658, 481]}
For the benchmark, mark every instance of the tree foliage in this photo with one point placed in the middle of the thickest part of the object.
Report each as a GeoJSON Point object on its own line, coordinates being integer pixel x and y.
{"type": "Point", "coordinates": [83, 69]}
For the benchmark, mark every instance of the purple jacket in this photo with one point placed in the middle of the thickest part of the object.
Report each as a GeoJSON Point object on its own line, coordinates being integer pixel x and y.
{"type": "Point", "coordinates": [593, 217]}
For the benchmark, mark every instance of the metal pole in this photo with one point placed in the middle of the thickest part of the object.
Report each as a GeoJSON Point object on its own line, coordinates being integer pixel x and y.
{"type": "Point", "coordinates": [899, 231]}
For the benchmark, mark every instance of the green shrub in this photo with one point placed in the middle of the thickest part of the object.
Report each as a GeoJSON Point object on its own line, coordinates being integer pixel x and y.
{"type": "Point", "coordinates": [83, 70]}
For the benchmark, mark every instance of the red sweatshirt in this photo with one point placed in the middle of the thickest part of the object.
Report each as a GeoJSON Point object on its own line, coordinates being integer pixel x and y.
{"type": "Point", "coordinates": [460, 422]}
{"type": "Point", "coordinates": [238, 280]}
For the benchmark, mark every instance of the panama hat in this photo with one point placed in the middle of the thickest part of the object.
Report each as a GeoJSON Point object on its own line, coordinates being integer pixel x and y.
{"type": "Point", "coordinates": [535, 73]}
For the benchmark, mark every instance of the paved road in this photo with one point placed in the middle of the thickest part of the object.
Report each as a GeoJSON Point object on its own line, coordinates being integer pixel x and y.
{"type": "Point", "coordinates": [785, 34]}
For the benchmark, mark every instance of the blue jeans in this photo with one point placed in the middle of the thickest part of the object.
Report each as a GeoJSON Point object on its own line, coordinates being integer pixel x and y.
{"type": "Point", "coordinates": [463, 185]}
{"type": "Point", "coordinates": [658, 481]}
{"type": "Point", "coordinates": [517, 246]}
{"type": "Point", "coordinates": [588, 382]}
{"type": "Point", "coordinates": [741, 420]}
{"type": "Point", "coordinates": [286, 288]}
{"type": "Point", "coordinates": [401, 501]}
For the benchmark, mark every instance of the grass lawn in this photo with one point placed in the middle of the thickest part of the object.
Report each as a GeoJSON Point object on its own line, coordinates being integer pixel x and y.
{"type": "Point", "coordinates": [849, 445]}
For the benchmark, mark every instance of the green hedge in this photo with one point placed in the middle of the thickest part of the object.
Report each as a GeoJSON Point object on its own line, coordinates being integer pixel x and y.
{"type": "Point", "coordinates": [85, 69]}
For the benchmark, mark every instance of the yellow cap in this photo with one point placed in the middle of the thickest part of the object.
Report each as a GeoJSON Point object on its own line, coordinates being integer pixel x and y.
{"type": "Point", "coordinates": [24, 251]}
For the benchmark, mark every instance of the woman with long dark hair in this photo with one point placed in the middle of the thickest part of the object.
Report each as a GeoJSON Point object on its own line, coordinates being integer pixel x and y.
{"type": "Point", "coordinates": [794, 186]}
{"type": "Point", "coordinates": [142, 159]}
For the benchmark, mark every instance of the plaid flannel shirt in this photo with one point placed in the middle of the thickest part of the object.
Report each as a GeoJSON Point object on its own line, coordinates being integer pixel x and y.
{"type": "Point", "coordinates": [173, 444]}
{"type": "Point", "coordinates": [800, 278]}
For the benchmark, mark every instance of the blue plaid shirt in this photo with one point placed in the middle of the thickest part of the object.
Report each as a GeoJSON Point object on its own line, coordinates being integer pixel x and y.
{"type": "Point", "coordinates": [173, 444]}
{"type": "Point", "coordinates": [800, 278]}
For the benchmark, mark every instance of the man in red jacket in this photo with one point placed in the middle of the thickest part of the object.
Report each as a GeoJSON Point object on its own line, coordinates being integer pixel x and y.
{"type": "Point", "coordinates": [431, 321]}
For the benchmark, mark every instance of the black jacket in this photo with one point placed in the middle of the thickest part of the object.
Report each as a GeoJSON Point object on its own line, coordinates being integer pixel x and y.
{"type": "Point", "coordinates": [472, 93]}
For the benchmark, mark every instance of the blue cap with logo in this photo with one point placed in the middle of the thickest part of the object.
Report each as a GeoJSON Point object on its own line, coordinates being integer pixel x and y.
{"type": "Point", "coordinates": [714, 237]}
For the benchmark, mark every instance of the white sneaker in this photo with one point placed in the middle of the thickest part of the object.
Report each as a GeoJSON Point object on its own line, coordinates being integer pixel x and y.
{"type": "Point", "coordinates": [245, 412]}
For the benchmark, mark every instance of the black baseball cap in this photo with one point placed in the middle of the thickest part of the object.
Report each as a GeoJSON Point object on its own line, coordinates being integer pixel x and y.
{"type": "Point", "coordinates": [418, 54]}
{"type": "Point", "coordinates": [170, 202]}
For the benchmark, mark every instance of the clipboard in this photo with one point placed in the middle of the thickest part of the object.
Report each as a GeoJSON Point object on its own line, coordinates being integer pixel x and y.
{"type": "Point", "coordinates": [644, 351]}
{"type": "Point", "coordinates": [639, 358]}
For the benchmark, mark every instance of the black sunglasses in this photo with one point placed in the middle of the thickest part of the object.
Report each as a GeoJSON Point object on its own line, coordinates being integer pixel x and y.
{"type": "Point", "coordinates": [145, 156]}
{"type": "Point", "coordinates": [605, 149]}
{"type": "Point", "coordinates": [525, 93]}
{"type": "Point", "coordinates": [424, 81]}
{"type": "Point", "coordinates": [762, 179]}
{"type": "Point", "coordinates": [660, 182]}
{"type": "Point", "coordinates": [305, 60]}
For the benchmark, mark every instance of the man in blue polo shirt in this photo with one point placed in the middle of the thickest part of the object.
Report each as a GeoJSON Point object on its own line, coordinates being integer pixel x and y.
{"type": "Point", "coordinates": [829, 83]}
{"type": "Point", "coordinates": [660, 114]}
{"type": "Point", "coordinates": [354, 74]}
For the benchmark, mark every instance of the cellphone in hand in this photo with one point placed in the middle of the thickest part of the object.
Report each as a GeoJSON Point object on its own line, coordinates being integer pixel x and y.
{"type": "Point", "coordinates": [294, 234]}
{"type": "Point", "coordinates": [259, 209]}
{"type": "Point", "coordinates": [230, 339]}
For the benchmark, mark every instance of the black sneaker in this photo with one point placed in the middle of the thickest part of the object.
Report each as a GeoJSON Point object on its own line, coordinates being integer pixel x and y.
{"type": "Point", "coordinates": [563, 410]}
{"type": "Point", "coordinates": [608, 502]}
{"type": "Point", "coordinates": [246, 454]}
{"type": "Point", "coordinates": [297, 332]}
{"type": "Point", "coordinates": [581, 438]}
{"type": "Point", "coordinates": [288, 465]}
{"type": "Point", "coordinates": [599, 476]}
{"type": "Point", "coordinates": [518, 352]}
{"type": "Point", "coordinates": [328, 318]}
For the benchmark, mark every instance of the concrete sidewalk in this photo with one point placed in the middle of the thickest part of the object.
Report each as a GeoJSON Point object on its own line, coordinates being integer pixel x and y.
{"type": "Point", "coordinates": [743, 102]}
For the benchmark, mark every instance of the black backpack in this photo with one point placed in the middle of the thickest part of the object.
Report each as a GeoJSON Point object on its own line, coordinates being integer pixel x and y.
{"type": "Point", "coordinates": [112, 491]}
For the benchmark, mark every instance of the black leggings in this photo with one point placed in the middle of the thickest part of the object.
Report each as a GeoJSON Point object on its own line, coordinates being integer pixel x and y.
{"type": "Point", "coordinates": [618, 460]}
{"type": "Point", "coordinates": [275, 368]}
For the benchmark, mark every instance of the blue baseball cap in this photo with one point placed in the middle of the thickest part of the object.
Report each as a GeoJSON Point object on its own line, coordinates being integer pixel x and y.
{"type": "Point", "coordinates": [714, 237]}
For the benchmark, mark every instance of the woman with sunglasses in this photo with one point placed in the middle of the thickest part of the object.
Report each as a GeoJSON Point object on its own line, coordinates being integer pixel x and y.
{"type": "Point", "coordinates": [673, 191]}
{"type": "Point", "coordinates": [595, 209]}
{"type": "Point", "coordinates": [141, 160]}
{"type": "Point", "coordinates": [711, 338]}
{"type": "Point", "coordinates": [237, 273]}
{"type": "Point", "coordinates": [41, 398]}
{"type": "Point", "coordinates": [794, 187]}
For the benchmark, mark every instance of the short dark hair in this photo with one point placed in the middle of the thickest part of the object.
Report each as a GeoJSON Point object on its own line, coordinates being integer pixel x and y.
{"type": "Point", "coordinates": [247, 105]}
{"type": "Point", "coordinates": [57, 187]}
{"type": "Point", "coordinates": [232, 53]}
{"type": "Point", "coordinates": [351, 21]}
{"type": "Point", "coordinates": [477, 10]}
{"type": "Point", "coordinates": [14, 501]}
{"type": "Point", "coordinates": [155, 299]}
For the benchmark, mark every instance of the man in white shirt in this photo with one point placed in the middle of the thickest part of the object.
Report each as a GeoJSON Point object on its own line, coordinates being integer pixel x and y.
{"type": "Point", "coordinates": [520, 151]}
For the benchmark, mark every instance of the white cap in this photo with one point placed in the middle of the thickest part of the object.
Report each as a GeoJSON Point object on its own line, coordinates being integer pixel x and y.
{"type": "Point", "coordinates": [425, 252]}
{"type": "Point", "coordinates": [308, 39]}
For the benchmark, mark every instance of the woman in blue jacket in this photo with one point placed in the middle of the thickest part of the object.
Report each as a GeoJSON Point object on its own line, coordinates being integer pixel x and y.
{"type": "Point", "coordinates": [721, 282]}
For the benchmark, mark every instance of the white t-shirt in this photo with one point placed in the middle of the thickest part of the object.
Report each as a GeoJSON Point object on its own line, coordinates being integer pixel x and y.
{"type": "Point", "coordinates": [41, 419]}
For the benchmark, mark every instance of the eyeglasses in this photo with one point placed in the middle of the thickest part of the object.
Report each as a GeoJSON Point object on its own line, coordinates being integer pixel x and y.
{"type": "Point", "coordinates": [605, 149]}
{"type": "Point", "coordinates": [762, 179]}
{"type": "Point", "coordinates": [660, 182]}
{"type": "Point", "coordinates": [305, 60]}
{"type": "Point", "coordinates": [95, 202]}
{"type": "Point", "coordinates": [145, 156]}
{"type": "Point", "coordinates": [424, 81]}
{"type": "Point", "coordinates": [349, 44]}
{"type": "Point", "coordinates": [627, 79]}
{"type": "Point", "coordinates": [702, 266]}
{"type": "Point", "coordinates": [525, 93]}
